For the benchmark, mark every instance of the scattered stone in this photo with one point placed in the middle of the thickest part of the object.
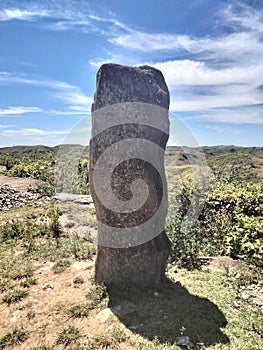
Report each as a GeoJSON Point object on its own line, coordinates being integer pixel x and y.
{"type": "Point", "coordinates": [16, 316]}
{"type": "Point", "coordinates": [105, 315]}
{"type": "Point", "coordinates": [48, 286]}
{"type": "Point", "coordinates": [245, 296]}
{"type": "Point", "coordinates": [13, 198]}
{"type": "Point", "coordinates": [236, 304]}
{"type": "Point", "coordinates": [70, 224]}
{"type": "Point", "coordinates": [156, 294]}
{"type": "Point", "coordinates": [77, 280]}
{"type": "Point", "coordinates": [183, 341]}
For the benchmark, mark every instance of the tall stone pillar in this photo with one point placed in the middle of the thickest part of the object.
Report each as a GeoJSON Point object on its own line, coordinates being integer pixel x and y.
{"type": "Point", "coordinates": [130, 129]}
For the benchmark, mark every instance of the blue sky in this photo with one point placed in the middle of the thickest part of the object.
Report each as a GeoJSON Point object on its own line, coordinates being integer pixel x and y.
{"type": "Point", "coordinates": [210, 53]}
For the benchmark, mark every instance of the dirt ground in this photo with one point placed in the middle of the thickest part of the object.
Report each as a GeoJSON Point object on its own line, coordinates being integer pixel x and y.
{"type": "Point", "coordinates": [49, 307]}
{"type": "Point", "coordinates": [19, 183]}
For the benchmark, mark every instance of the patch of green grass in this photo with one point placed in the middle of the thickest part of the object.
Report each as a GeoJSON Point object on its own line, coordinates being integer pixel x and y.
{"type": "Point", "coordinates": [6, 284]}
{"type": "Point", "coordinates": [68, 336]}
{"type": "Point", "coordinates": [107, 339]}
{"type": "Point", "coordinates": [60, 266]}
{"type": "Point", "coordinates": [16, 275]}
{"type": "Point", "coordinates": [15, 267]}
{"type": "Point", "coordinates": [96, 294]}
{"type": "Point", "coordinates": [17, 336]}
{"type": "Point", "coordinates": [80, 310]}
{"type": "Point", "coordinates": [223, 291]}
{"type": "Point", "coordinates": [49, 250]}
{"type": "Point", "coordinates": [14, 296]}
{"type": "Point", "coordinates": [28, 281]}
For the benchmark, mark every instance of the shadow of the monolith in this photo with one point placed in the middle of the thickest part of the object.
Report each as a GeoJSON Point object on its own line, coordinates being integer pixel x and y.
{"type": "Point", "coordinates": [168, 314]}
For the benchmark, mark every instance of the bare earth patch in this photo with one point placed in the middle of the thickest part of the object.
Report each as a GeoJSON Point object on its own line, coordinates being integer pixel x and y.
{"type": "Point", "coordinates": [44, 312]}
{"type": "Point", "coordinates": [19, 183]}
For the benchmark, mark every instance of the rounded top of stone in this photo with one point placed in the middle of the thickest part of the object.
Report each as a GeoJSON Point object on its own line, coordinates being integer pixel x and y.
{"type": "Point", "coordinates": [118, 84]}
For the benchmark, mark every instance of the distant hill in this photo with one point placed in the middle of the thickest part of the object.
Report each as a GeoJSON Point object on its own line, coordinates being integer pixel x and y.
{"type": "Point", "coordinates": [247, 162]}
{"type": "Point", "coordinates": [181, 153]}
{"type": "Point", "coordinates": [18, 151]}
{"type": "Point", "coordinates": [244, 163]}
{"type": "Point", "coordinates": [38, 150]}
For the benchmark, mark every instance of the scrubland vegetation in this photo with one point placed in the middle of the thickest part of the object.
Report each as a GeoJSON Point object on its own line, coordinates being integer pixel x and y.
{"type": "Point", "coordinates": [215, 308]}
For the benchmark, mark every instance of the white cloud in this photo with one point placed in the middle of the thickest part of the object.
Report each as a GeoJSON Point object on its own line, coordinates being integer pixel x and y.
{"type": "Point", "coordinates": [73, 15]}
{"type": "Point", "coordinates": [75, 111]}
{"type": "Point", "coordinates": [148, 42]}
{"type": "Point", "coordinates": [233, 116]}
{"type": "Point", "coordinates": [75, 96]}
{"type": "Point", "coordinates": [78, 101]}
{"type": "Point", "coordinates": [22, 15]}
{"type": "Point", "coordinates": [242, 16]}
{"type": "Point", "coordinates": [5, 126]}
{"type": "Point", "coordinates": [71, 95]}
{"type": "Point", "coordinates": [195, 102]}
{"type": "Point", "coordinates": [19, 110]}
{"type": "Point", "coordinates": [189, 72]}
{"type": "Point", "coordinates": [223, 71]}
{"type": "Point", "coordinates": [32, 132]}
{"type": "Point", "coordinates": [229, 47]}
{"type": "Point", "coordinates": [12, 78]}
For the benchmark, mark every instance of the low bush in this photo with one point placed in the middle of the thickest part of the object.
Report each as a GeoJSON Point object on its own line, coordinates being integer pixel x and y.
{"type": "Point", "coordinates": [230, 223]}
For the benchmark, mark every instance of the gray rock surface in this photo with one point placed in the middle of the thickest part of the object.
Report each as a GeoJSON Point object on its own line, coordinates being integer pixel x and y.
{"type": "Point", "coordinates": [134, 264]}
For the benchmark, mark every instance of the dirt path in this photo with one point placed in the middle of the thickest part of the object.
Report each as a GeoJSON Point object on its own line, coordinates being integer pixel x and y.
{"type": "Point", "coordinates": [19, 183]}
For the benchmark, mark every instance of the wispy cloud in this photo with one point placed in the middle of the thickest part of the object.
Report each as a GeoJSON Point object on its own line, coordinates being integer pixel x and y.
{"type": "Point", "coordinates": [18, 110]}
{"type": "Point", "coordinates": [75, 100]}
{"type": "Point", "coordinates": [9, 14]}
{"type": "Point", "coordinates": [32, 132]}
{"type": "Point", "coordinates": [197, 102]}
{"type": "Point", "coordinates": [32, 136]}
{"type": "Point", "coordinates": [244, 115]}
{"type": "Point", "coordinates": [241, 16]}
{"type": "Point", "coordinates": [222, 71]}
{"type": "Point", "coordinates": [5, 126]}
{"type": "Point", "coordinates": [10, 78]}
{"type": "Point", "coordinates": [75, 15]}
{"type": "Point", "coordinates": [75, 97]}
{"type": "Point", "coordinates": [74, 111]}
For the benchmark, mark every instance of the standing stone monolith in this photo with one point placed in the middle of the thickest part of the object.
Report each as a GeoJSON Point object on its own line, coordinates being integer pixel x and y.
{"type": "Point", "coordinates": [130, 129]}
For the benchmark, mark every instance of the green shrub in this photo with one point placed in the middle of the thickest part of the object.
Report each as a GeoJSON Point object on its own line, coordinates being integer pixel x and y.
{"type": "Point", "coordinates": [80, 310]}
{"type": "Point", "coordinates": [96, 294]}
{"type": "Point", "coordinates": [68, 336]}
{"type": "Point", "coordinates": [17, 336]}
{"type": "Point", "coordinates": [187, 243]}
{"type": "Point", "coordinates": [230, 223]}
{"type": "Point", "coordinates": [15, 296]}
{"type": "Point", "coordinates": [44, 189]}
{"type": "Point", "coordinates": [61, 266]}
{"type": "Point", "coordinates": [246, 240]}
